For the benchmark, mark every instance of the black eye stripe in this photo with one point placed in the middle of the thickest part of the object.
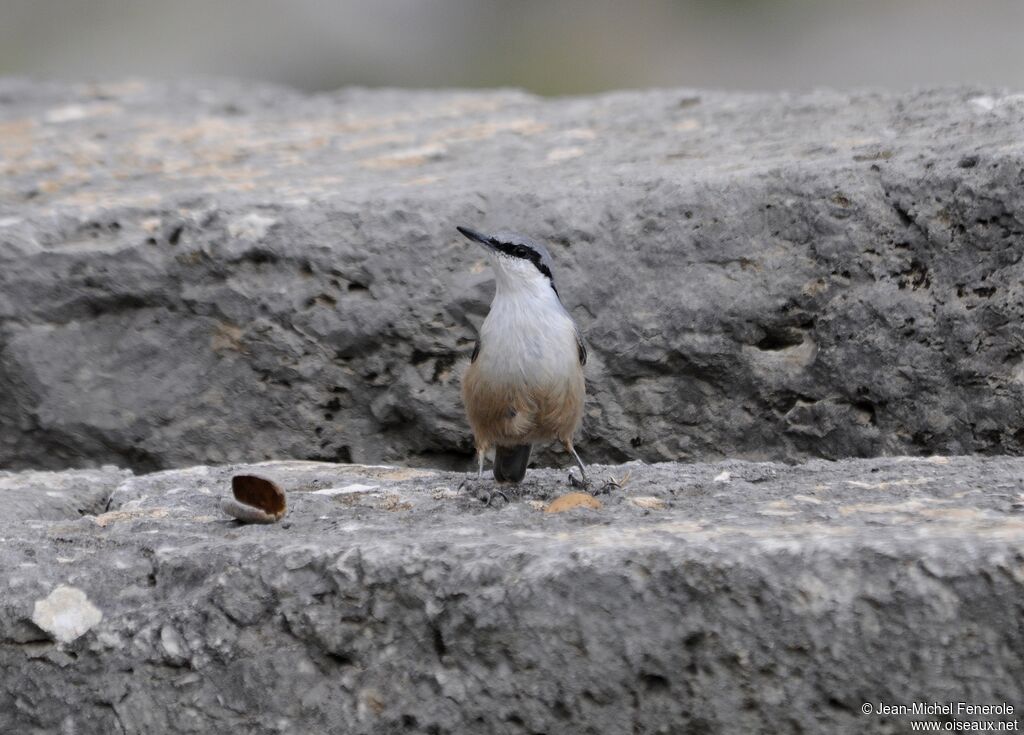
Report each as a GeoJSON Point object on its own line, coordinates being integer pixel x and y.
{"type": "Point", "coordinates": [521, 251]}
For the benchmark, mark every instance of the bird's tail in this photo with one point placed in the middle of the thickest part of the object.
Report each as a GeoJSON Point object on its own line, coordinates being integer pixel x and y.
{"type": "Point", "coordinates": [510, 462]}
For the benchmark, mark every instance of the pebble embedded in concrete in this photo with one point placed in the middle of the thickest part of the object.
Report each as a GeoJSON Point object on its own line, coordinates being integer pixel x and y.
{"type": "Point", "coordinates": [66, 614]}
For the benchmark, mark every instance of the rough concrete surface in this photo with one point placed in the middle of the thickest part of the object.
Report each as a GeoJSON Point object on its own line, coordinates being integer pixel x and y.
{"type": "Point", "coordinates": [713, 598]}
{"type": "Point", "coordinates": [197, 273]}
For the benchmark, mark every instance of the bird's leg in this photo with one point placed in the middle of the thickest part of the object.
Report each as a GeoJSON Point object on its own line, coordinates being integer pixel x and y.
{"type": "Point", "coordinates": [470, 483]}
{"type": "Point", "coordinates": [476, 486]}
{"type": "Point", "coordinates": [583, 482]}
{"type": "Point", "coordinates": [586, 484]}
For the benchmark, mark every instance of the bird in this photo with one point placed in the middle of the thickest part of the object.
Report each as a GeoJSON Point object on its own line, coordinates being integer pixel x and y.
{"type": "Point", "coordinates": [525, 380]}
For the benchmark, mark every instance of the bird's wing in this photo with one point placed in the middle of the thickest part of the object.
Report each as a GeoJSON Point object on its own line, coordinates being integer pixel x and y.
{"type": "Point", "coordinates": [581, 348]}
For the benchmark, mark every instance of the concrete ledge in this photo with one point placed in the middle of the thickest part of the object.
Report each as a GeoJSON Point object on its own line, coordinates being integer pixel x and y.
{"type": "Point", "coordinates": [731, 597]}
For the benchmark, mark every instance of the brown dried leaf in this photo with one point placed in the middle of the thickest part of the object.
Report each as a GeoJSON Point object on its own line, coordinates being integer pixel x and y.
{"type": "Point", "coordinates": [569, 501]}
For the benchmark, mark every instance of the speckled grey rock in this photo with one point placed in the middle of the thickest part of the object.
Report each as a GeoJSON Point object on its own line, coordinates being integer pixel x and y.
{"type": "Point", "coordinates": [736, 597]}
{"type": "Point", "coordinates": [57, 495]}
{"type": "Point", "coordinates": [204, 272]}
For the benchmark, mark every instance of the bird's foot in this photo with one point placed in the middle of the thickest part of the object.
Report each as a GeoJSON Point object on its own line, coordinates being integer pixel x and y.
{"type": "Point", "coordinates": [483, 490]}
{"type": "Point", "coordinates": [606, 487]}
{"type": "Point", "coordinates": [582, 484]}
{"type": "Point", "coordinates": [613, 484]}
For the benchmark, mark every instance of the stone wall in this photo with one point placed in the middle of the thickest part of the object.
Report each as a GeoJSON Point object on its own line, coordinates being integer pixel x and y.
{"type": "Point", "coordinates": [201, 273]}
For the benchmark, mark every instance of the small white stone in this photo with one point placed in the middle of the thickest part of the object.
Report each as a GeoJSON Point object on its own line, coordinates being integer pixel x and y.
{"type": "Point", "coordinates": [70, 113]}
{"type": "Point", "coordinates": [984, 103]}
{"type": "Point", "coordinates": [564, 154]}
{"type": "Point", "coordinates": [723, 477]}
{"type": "Point", "coordinates": [172, 643]}
{"type": "Point", "coordinates": [648, 502]}
{"type": "Point", "coordinates": [806, 499]}
{"type": "Point", "coordinates": [66, 614]}
{"type": "Point", "coordinates": [252, 226]}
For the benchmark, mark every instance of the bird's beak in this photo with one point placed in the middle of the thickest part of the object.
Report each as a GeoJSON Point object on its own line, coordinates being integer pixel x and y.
{"type": "Point", "coordinates": [477, 237]}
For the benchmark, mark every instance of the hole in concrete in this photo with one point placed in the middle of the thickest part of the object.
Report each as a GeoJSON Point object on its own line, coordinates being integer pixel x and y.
{"type": "Point", "coordinates": [865, 411]}
{"type": "Point", "coordinates": [439, 647]}
{"type": "Point", "coordinates": [654, 683]}
{"type": "Point", "coordinates": [780, 338]}
{"type": "Point", "coordinates": [341, 455]}
{"type": "Point", "coordinates": [341, 659]}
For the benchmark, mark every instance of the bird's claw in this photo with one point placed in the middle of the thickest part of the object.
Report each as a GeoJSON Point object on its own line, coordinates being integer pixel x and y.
{"type": "Point", "coordinates": [615, 484]}
{"type": "Point", "coordinates": [583, 484]}
{"type": "Point", "coordinates": [488, 497]}
{"type": "Point", "coordinates": [482, 493]}
{"type": "Point", "coordinates": [606, 487]}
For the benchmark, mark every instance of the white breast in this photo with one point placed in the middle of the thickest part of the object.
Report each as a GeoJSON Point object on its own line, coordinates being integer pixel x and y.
{"type": "Point", "coordinates": [528, 337]}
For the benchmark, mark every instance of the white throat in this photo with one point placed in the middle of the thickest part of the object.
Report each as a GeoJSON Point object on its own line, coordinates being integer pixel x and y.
{"type": "Point", "coordinates": [528, 336]}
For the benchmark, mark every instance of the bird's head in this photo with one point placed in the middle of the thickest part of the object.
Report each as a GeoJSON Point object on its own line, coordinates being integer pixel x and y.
{"type": "Point", "coordinates": [518, 261]}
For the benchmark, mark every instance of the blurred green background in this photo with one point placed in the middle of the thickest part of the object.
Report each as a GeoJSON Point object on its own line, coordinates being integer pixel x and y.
{"type": "Point", "coordinates": [549, 47]}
